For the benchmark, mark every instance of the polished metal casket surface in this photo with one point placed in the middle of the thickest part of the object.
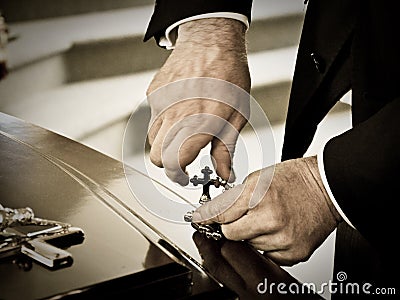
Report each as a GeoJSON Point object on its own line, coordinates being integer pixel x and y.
{"type": "Point", "coordinates": [127, 250]}
{"type": "Point", "coordinates": [63, 180]}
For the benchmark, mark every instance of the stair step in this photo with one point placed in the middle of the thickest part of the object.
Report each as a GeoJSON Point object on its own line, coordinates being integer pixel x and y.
{"type": "Point", "coordinates": [44, 38]}
{"type": "Point", "coordinates": [78, 110]}
{"type": "Point", "coordinates": [50, 53]}
{"type": "Point", "coordinates": [98, 59]}
{"type": "Point", "coordinates": [125, 28]}
{"type": "Point", "coordinates": [82, 75]}
{"type": "Point", "coordinates": [28, 10]}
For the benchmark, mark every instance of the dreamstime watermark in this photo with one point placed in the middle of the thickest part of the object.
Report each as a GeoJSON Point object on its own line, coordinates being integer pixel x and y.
{"type": "Point", "coordinates": [340, 287]}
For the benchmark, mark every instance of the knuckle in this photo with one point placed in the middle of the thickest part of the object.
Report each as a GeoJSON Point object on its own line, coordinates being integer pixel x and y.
{"type": "Point", "coordinates": [152, 87]}
{"type": "Point", "coordinates": [283, 241]}
{"type": "Point", "coordinates": [298, 254]}
{"type": "Point", "coordinates": [283, 258]}
{"type": "Point", "coordinates": [276, 224]}
{"type": "Point", "coordinates": [229, 233]}
{"type": "Point", "coordinates": [287, 261]}
{"type": "Point", "coordinates": [214, 212]}
{"type": "Point", "coordinates": [150, 139]}
{"type": "Point", "coordinates": [151, 135]}
{"type": "Point", "coordinates": [155, 158]}
{"type": "Point", "coordinates": [220, 218]}
{"type": "Point", "coordinates": [172, 175]}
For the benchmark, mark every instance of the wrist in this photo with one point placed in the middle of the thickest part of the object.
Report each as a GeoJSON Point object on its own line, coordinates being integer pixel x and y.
{"type": "Point", "coordinates": [312, 164]}
{"type": "Point", "coordinates": [211, 33]}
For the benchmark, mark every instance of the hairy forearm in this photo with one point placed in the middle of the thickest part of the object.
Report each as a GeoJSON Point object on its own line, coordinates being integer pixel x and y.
{"type": "Point", "coordinates": [213, 47]}
{"type": "Point", "coordinates": [213, 32]}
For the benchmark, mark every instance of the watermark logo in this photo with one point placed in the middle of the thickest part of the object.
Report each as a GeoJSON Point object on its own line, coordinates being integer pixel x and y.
{"type": "Point", "coordinates": [342, 287]}
{"type": "Point", "coordinates": [341, 276]}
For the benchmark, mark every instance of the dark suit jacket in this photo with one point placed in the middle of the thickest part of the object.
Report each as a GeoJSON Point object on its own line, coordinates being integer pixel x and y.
{"type": "Point", "coordinates": [345, 44]}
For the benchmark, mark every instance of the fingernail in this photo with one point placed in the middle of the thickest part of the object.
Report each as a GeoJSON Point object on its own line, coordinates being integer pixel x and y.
{"type": "Point", "coordinates": [183, 181]}
{"type": "Point", "coordinates": [177, 176]}
{"type": "Point", "coordinates": [232, 176]}
{"type": "Point", "coordinates": [196, 217]}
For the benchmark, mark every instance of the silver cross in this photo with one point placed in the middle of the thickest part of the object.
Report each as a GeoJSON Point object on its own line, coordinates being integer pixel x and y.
{"type": "Point", "coordinates": [211, 231]}
{"type": "Point", "coordinates": [23, 233]}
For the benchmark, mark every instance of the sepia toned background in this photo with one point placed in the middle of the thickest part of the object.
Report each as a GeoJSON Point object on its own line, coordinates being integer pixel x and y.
{"type": "Point", "coordinates": [80, 68]}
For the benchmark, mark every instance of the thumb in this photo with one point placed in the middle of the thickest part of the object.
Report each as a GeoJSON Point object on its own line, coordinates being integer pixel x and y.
{"type": "Point", "coordinates": [225, 208]}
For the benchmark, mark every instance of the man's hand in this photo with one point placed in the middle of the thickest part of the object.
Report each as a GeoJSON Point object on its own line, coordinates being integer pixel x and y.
{"type": "Point", "coordinates": [208, 48]}
{"type": "Point", "coordinates": [288, 219]}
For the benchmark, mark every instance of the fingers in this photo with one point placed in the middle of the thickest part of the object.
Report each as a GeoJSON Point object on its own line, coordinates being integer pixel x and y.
{"type": "Point", "coordinates": [270, 242]}
{"type": "Point", "coordinates": [203, 117]}
{"type": "Point", "coordinates": [153, 130]}
{"type": "Point", "coordinates": [277, 246]}
{"type": "Point", "coordinates": [255, 267]}
{"type": "Point", "coordinates": [286, 257]}
{"type": "Point", "coordinates": [223, 146]}
{"type": "Point", "coordinates": [177, 156]}
{"type": "Point", "coordinates": [222, 161]}
{"type": "Point", "coordinates": [231, 205]}
{"type": "Point", "coordinates": [224, 208]}
{"type": "Point", "coordinates": [259, 220]}
{"type": "Point", "coordinates": [178, 142]}
{"type": "Point", "coordinates": [243, 228]}
{"type": "Point", "coordinates": [156, 138]}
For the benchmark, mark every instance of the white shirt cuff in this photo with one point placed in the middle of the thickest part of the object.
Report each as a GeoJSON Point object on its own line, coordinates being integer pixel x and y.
{"type": "Point", "coordinates": [168, 41]}
{"type": "Point", "coordinates": [320, 159]}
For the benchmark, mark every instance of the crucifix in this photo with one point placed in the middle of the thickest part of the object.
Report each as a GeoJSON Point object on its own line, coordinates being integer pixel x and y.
{"type": "Point", "coordinates": [44, 241]}
{"type": "Point", "coordinates": [214, 230]}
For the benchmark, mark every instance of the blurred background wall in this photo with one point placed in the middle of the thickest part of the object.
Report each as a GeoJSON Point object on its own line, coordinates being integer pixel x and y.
{"type": "Point", "coordinates": [80, 67]}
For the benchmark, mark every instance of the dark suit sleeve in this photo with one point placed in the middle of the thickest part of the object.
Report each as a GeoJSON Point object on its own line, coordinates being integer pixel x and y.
{"type": "Point", "coordinates": [167, 12]}
{"type": "Point", "coordinates": [362, 168]}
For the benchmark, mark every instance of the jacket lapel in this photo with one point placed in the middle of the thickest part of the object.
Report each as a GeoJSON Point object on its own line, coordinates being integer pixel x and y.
{"type": "Point", "coordinates": [327, 27]}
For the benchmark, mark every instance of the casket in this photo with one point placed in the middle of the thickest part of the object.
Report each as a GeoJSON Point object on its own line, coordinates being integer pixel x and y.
{"type": "Point", "coordinates": [126, 251]}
